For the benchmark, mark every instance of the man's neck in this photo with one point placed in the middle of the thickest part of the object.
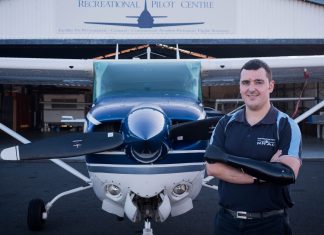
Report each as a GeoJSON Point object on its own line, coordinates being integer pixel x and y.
{"type": "Point", "coordinates": [255, 116]}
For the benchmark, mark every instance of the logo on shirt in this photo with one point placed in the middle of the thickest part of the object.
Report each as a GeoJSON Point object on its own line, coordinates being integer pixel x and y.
{"type": "Point", "coordinates": [266, 142]}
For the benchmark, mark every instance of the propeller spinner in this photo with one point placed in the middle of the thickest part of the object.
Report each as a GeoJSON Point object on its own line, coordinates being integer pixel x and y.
{"type": "Point", "coordinates": [145, 130]}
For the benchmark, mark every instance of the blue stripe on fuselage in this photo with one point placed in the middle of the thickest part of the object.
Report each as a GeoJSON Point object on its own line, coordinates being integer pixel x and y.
{"type": "Point", "coordinates": [124, 159]}
{"type": "Point", "coordinates": [115, 169]}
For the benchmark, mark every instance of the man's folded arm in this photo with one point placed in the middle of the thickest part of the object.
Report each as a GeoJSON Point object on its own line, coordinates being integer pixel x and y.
{"type": "Point", "coordinates": [274, 172]}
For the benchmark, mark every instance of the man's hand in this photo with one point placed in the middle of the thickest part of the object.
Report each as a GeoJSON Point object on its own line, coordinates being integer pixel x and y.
{"type": "Point", "coordinates": [275, 157]}
{"type": "Point", "coordinates": [292, 162]}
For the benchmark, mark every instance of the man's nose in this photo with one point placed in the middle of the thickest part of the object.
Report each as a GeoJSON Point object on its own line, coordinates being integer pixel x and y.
{"type": "Point", "coordinates": [251, 87]}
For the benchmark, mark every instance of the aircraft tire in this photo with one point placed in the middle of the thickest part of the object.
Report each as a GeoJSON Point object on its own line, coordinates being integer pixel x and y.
{"type": "Point", "coordinates": [35, 219]}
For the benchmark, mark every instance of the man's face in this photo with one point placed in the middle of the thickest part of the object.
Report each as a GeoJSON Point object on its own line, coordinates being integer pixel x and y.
{"type": "Point", "coordinates": [255, 88]}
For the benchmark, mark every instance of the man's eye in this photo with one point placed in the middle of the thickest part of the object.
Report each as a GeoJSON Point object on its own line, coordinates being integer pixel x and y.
{"type": "Point", "coordinates": [245, 82]}
{"type": "Point", "coordinates": [259, 82]}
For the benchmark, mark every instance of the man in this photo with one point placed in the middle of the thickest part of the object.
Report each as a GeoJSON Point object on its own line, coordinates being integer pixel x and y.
{"type": "Point", "coordinates": [255, 153]}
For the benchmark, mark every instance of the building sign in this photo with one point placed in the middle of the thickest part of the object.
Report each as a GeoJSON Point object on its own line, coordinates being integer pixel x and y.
{"type": "Point", "coordinates": [146, 19]}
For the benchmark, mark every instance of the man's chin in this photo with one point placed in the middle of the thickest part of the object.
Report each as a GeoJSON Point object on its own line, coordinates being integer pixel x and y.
{"type": "Point", "coordinates": [252, 106]}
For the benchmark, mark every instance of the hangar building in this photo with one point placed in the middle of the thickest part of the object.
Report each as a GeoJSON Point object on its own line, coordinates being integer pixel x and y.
{"type": "Point", "coordinates": [202, 28]}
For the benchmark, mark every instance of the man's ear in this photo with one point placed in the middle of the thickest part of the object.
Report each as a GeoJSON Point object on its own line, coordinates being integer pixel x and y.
{"type": "Point", "coordinates": [271, 86]}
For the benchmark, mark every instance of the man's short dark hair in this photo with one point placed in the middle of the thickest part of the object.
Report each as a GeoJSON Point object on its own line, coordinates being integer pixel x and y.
{"type": "Point", "coordinates": [256, 64]}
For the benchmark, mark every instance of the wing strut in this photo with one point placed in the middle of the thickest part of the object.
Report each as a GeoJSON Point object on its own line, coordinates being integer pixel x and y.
{"type": "Point", "coordinates": [178, 53]}
{"type": "Point", "coordinates": [117, 52]}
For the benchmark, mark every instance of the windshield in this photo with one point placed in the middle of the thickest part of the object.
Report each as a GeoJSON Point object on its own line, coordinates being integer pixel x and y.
{"type": "Point", "coordinates": [138, 78]}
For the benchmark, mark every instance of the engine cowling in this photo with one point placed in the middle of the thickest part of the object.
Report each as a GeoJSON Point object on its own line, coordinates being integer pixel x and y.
{"type": "Point", "coordinates": [146, 132]}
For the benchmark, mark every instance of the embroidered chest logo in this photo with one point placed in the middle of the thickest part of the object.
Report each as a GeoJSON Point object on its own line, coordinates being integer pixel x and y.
{"type": "Point", "coordinates": [266, 142]}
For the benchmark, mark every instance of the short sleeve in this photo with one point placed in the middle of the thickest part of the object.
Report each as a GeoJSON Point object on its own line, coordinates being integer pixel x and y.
{"type": "Point", "coordinates": [289, 137]}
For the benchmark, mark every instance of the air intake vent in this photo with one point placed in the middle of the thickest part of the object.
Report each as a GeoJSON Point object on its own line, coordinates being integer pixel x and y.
{"type": "Point", "coordinates": [111, 126]}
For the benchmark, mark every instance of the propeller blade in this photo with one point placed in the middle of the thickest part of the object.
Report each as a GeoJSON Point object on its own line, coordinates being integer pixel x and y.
{"type": "Point", "coordinates": [70, 145]}
{"type": "Point", "coordinates": [196, 130]}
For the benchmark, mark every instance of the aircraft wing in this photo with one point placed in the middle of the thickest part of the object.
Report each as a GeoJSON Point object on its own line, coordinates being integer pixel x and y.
{"type": "Point", "coordinates": [136, 25]}
{"type": "Point", "coordinates": [215, 72]}
{"type": "Point", "coordinates": [285, 69]}
{"type": "Point", "coordinates": [175, 24]}
{"type": "Point", "coordinates": [58, 72]}
{"type": "Point", "coordinates": [115, 24]}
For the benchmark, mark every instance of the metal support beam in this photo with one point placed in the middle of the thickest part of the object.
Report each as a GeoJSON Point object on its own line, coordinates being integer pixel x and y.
{"type": "Point", "coordinates": [310, 112]}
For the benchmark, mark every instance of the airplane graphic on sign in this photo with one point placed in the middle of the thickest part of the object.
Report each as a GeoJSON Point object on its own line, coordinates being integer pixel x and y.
{"type": "Point", "coordinates": [145, 20]}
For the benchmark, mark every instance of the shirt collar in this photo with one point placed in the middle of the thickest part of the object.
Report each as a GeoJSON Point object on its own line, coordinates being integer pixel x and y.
{"type": "Point", "coordinates": [270, 118]}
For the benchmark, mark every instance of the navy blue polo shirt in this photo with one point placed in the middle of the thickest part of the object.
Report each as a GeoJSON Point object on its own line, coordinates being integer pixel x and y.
{"type": "Point", "coordinates": [260, 142]}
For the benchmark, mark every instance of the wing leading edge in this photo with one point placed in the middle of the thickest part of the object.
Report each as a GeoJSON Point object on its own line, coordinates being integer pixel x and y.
{"type": "Point", "coordinates": [79, 72]}
{"type": "Point", "coordinates": [37, 71]}
{"type": "Point", "coordinates": [139, 26]}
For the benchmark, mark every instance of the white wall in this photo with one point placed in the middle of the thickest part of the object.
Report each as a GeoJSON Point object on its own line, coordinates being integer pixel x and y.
{"type": "Point", "coordinates": [233, 19]}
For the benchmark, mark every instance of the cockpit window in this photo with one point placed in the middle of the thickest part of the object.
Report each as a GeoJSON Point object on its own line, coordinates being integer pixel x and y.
{"type": "Point", "coordinates": [138, 78]}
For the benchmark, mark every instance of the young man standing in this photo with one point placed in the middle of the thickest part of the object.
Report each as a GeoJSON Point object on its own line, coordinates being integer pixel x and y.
{"type": "Point", "coordinates": [255, 153]}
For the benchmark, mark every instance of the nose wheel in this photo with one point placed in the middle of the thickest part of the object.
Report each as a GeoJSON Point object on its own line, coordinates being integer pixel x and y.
{"type": "Point", "coordinates": [147, 230]}
{"type": "Point", "coordinates": [35, 220]}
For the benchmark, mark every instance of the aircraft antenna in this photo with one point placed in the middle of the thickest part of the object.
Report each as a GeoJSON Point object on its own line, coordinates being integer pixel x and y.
{"type": "Point", "coordinates": [145, 8]}
{"type": "Point", "coordinates": [148, 53]}
{"type": "Point", "coordinates": [178, 53]}
{"type": "Point", "coordinates": [117, 52]}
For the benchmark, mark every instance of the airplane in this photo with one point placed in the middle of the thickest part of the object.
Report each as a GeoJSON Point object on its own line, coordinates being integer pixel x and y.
{"type": "Point", "coordinates": [139, 163]}
{"type": "Point", "coordinates": [145, 135]}
{"type": "Point", "coordinates": [145, 20]}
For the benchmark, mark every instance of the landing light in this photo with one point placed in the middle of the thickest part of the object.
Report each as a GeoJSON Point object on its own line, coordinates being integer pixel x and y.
{"type": "Point", "coordinates": [180, 189]}
{"type": "Point", "coordinates": [112, 189]}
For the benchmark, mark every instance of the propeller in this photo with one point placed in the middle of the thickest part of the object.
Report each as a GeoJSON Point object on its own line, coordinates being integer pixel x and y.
{"type": "Point", "coordinates": [70, 145]}
{"type": "Point", "coordinates": [195, 130]}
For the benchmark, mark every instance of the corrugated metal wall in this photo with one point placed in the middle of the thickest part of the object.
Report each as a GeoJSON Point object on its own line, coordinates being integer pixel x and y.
{"type": "Point", "coordinates": [255, 19]}
{"type": "Point", "coordinates": [32, 19]}
{"type": "Point", "coordinates": [279, 19]}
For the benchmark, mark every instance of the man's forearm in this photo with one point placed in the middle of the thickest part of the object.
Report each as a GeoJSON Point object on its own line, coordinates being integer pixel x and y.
{"type": "Point", "coordinates": [271, 172]}
{"type": "Point", "coordinates": [228, 174]}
